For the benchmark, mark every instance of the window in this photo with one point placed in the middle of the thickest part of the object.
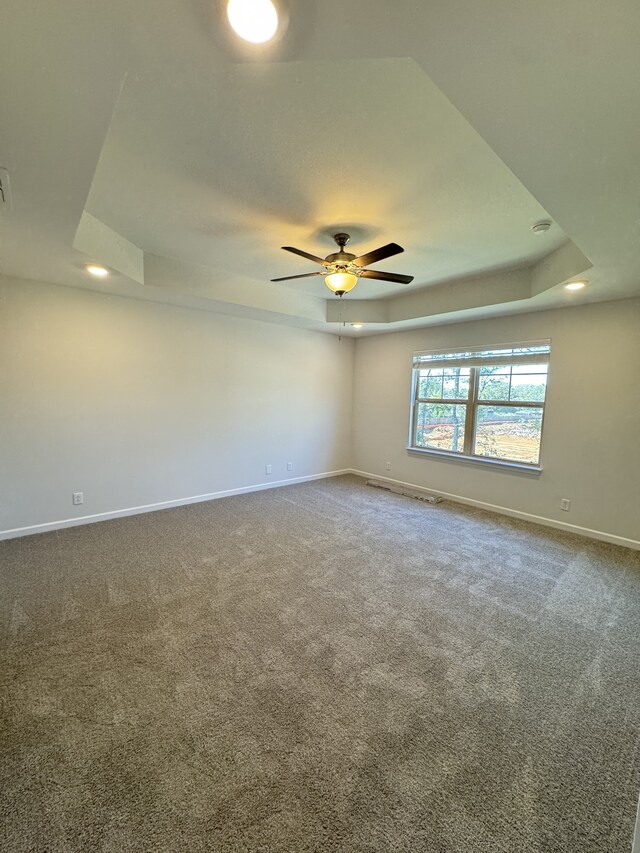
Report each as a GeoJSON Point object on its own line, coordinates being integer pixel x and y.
{"type": "Point", "coordinates": [481, 404]}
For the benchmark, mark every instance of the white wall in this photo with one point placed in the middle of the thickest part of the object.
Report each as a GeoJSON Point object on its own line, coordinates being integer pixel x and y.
{"type": "Point", "coordinates": [591, 440]}
{"type": "Point", "coordinates": [135, 403]}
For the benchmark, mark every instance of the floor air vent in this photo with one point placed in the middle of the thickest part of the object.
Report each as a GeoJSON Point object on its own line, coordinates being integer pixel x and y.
{"type": "Point", "coordinates": [402, 490]}
{"type": "Point", "coordinates": [5, 190]}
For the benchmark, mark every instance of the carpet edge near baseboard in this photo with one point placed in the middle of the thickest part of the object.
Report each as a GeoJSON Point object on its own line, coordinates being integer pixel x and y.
{"type": "Point", "coordinates": [61, 524]}
{"type": "Point", "coordinates": [587, 532]}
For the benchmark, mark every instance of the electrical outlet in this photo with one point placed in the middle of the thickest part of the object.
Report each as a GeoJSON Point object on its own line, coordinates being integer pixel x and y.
{"type": "Point", "coordinates": [387, 465]}
{"type": "Point", "coordinates": [565, 504]}
{"type": "Point", "coordinates": [289, 466]}
{"type": "Point", "coordinates": [267, 469]}
{"type": "Point", "coordinates": [78, 498]}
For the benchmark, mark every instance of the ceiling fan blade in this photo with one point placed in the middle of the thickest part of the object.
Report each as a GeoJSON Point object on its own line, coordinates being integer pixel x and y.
{"type": "Point", "coordinates": [304, 275]}
{"type": "Point", "coordinates": [378, 255]}
{"type": "Point", "coordinates": [387, 276]}
{"type": "Point", "coordinates": [306, 255]}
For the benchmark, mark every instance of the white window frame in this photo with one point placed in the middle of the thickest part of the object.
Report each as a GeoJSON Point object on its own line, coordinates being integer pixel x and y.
{"type": "Point", "coordinates": [532, 352]}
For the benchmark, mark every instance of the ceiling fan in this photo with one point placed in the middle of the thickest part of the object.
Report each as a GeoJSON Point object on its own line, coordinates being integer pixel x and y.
{"type": "Point", "coordinates": [342, 269]}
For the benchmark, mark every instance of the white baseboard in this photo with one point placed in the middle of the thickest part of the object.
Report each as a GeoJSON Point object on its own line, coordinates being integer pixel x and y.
{"type": "Point", "coordinates": [137, 510]}
{"type": "Point", "coordinates": [514, 513]}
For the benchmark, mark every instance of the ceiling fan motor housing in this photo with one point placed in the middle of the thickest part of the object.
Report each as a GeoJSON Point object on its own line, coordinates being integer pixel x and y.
{"type": "Point", "coordinates": [340, 257]}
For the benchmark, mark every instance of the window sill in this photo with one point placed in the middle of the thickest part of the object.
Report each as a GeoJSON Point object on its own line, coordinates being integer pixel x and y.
{"type": "Point", "coordinates": [519, 467]}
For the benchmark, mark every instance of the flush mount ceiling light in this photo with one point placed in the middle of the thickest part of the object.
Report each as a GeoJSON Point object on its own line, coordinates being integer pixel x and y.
{"type": "Point", "coordinates": [356, 325]}
{"type": "Point", "coordinates": [575, 285]}
{"type": "Point", "coordinates": [253, 20]}
{"type": "Point", "coordinates": [342, 270]}
{"type": "Point", "coordinates": [541, 227]}
{"type": "Point", "coordinates": [97, 270]}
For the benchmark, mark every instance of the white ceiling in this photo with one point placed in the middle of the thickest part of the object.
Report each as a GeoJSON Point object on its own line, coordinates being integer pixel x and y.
{"type": "Point", "coordinates": [221, 169]}
{"type": "Point", "coordinates": [443, 127]}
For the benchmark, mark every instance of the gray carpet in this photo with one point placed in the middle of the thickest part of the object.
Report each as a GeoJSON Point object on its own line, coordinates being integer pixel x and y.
{"type": "Point", "coordinates": [323, 667]}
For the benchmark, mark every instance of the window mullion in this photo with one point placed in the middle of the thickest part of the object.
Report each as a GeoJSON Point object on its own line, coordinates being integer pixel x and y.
{"type": "Point", "coordinates": [470, 420]}
{"type": "Point", "coordinates": [415, 392]}
{"type": "Point", "coordinates": [516, 404]}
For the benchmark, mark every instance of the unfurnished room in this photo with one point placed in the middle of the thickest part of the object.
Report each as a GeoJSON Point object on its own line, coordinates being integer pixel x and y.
{"type": "Point", "coordinates": [319, 426]}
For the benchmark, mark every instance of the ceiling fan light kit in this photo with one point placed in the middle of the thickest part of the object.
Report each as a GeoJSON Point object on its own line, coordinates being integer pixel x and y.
{"type": "Point", "coordinates": [343, 270]}
{"type": "Point", "coordinates": [341, 282]}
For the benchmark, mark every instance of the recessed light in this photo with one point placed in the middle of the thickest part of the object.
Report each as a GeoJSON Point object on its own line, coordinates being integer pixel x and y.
{"type": "Point", "coordinates": [97, 270]}
{"type": "Point", "coordinates": [541, 227]}
{"type": "Point", "coordinates": [575, 285]}
{"type": "Point", "coordinates": [253, 20]}
{"type": "Point", "coordinates": [356, 325]}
